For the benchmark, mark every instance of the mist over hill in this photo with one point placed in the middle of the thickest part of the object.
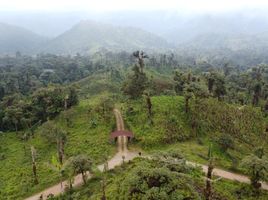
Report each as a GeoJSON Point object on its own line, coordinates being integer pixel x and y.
{"type": "Point", "coordinates": [13, 38]}
{"type": "Point", "coordinates": [87, 32]}
{"type": "Point", "coordinates": [88, 36]}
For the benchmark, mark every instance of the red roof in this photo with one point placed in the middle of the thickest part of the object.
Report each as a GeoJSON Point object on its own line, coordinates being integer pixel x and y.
{"type": "Point", "coordinates": [121, 133]}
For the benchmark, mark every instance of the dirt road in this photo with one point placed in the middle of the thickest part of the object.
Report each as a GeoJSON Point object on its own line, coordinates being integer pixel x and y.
{"type": "Point", "coordinates": [129, 155]}
{"type": "Point", "coordinates": [227, 175]}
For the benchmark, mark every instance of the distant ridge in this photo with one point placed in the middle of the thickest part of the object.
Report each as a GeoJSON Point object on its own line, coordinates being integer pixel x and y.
{"type": "Point", "coordinates": [89, 36]}
{"type": "Point", "coordinates": [14, 38]}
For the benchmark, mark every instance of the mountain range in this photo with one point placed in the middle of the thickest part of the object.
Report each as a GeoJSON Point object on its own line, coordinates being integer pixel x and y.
{"type": "Point", "coordinates": [89, 36]}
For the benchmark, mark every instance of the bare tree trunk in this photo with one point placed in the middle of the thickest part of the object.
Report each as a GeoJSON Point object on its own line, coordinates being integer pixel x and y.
{"type": "Point", "coordinates": [103, 190]}
{"type": "Point", "coordinates": [186, 105]}
{"type": "Point", "coordinates": [33, 152]}
{"type": "Point", "coordinates": [59, 149]}
{"type": "Point", "coordinates": [208, 190]}
{"type": "Point", "coordinates": [149, 107]}
{"type": "Point", "coordinates": [84, 177]}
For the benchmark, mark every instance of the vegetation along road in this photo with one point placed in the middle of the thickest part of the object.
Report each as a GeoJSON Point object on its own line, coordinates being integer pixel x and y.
{"type": "Point", "coordinates": [124, 153]}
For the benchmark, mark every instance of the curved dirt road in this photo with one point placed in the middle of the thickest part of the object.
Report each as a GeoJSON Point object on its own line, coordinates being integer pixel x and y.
{"type": "Point", "coordinates": [128, 155]}
{"type": "Point", "coordinates": [227, 175]}
{"type": "Point", "coordinates": [115, 161]}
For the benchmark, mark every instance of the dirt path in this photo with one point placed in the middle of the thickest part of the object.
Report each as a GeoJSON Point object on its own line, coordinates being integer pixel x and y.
{"type": "Point", "coordinates": [227, 175]}
{"type": "Point", "coordinates": [115, 161]}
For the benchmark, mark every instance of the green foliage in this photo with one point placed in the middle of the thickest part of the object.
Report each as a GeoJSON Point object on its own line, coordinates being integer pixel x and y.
{"type": "Point", "coordinates": [257, 167]}
{"type": "Point", "coordinates": [170, 124]}
{"type": "Point", "coordinates": [52, 133]}
{"type": "Point", "coordinates": [226, 142]}
{"type": "Point", "coordinates": [80, 163]}
{"type": "Point", "coordinates": [82, 139]}
{"type": "Point", "coordinates": [136, 84]}
{"type": "Point", "coordinates": [245, 124]}
{"type": "Point", "coordinates": [19, 112]}
{"type": "Point", "coordinates": [165, 177]}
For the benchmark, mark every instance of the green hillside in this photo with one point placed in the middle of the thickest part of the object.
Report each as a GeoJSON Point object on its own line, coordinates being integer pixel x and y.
{"type": "Point", "coordinates": [89, 36]}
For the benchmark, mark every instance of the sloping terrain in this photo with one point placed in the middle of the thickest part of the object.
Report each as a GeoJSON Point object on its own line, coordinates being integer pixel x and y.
{"type": "Point", "coordinates": [13, 39]}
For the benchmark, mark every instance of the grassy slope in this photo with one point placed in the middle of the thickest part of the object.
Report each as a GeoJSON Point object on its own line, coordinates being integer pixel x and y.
{"type": "Point", "coordinates": [152, 137]}
{"type": "Point", "coordinates": [15, 170]}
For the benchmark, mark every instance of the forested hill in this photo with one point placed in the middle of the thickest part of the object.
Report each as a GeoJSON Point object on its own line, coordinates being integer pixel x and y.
{"type": "Point", "coordinates": [89, 36]}
{"type": "Point", "coordinates": [13, 38]}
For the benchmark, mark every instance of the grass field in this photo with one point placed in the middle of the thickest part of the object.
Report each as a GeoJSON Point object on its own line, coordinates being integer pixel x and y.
{"type": "Point", "coordinates": [170, 120]}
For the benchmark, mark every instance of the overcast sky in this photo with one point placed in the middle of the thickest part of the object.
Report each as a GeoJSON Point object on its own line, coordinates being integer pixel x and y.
{"type": "Point", "coordinates": [113, 5]}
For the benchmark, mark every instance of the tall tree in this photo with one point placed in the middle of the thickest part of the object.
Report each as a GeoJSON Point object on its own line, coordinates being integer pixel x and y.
{"type": "Point", "coordinates": [138, 81]}
{"type": "Point", "coordinates": [257, 93]}
{"type": "Point", "coordinates": [55, 134]}
{"type": "Point", "coordinates": [58, 167]}
{"type": "Point", "coordinates": [208, 190]}
{"type": "Point", "coordinates": [140, 56]}
{"type": "Point", "coordinates": [149, 106]}
{"type": "Point", "coordinates": [33, 153]}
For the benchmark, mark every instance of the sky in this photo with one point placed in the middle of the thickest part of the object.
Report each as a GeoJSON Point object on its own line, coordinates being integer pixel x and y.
{"type": "Point", "coordinates": [114, 5]}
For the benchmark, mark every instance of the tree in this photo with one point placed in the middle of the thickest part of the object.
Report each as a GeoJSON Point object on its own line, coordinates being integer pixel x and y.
{"type": "Point", "coordinates": [156, 182]}
{"type": "Point", "coordinates": [188, 94]}
{"type": "Point", "coordinates": [81, 164]}
{"type": "Point", "coordinates": [55, 134]}
{"type": "Point", "coordinates": [58, 167]}
{"type": "Point", "coordinates": [149, 106]}
{"type": "Point", "coordinates": [72, 96]}
{"type": "Point", "coordinates": [13, 114]}
{"type": "Point", "coordinates": [33, 153]}
{"type": "Point", "coordinates": [138, 81]}
{"type": "Point", "coordinates": [140, 56]}
{"type": "Point", "coordinates": [208, 190]}
{"type": "Point", "coordinates": [256, 165]}
{"type": "Point", "coordinates": [226, 142]}
{"type": "Point", "coordinates": [220, 89]}
{"type": "Point", "coordinates": [103, 182]}
{"type": "Point", "coordinates": [210, 82]}
{"type": "Point", "coordinates": [2, 92]}
{"type": "Point", "coordinates": [180, 81]}
{"type": "Point", "coordinates": [257, 93]}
